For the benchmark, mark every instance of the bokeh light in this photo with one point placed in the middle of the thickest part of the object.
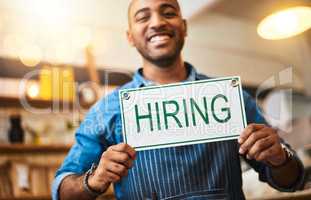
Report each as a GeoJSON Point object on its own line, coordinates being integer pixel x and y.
{"type": "Point", "coordinates": [33, 90]}
{"type": "Point", "coordinates": [30, 55]}
{"type": "Point", "coordinates": [285, 23]}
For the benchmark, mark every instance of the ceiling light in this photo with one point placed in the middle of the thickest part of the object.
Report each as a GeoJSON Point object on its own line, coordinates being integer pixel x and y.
{"type": "Point", "coordinates": [285, 23]}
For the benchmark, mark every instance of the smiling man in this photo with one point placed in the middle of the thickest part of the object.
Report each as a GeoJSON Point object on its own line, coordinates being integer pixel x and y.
{"type": "Point", "coordinates": [203, 171]}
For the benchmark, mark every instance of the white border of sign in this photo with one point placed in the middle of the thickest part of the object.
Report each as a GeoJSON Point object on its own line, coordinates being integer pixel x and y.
{"type": "Point", "coordinates": [231, 137]}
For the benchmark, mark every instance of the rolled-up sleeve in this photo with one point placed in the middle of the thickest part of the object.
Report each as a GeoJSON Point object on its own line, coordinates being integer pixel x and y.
{"type": "Point", "coordinates": [56, 183]}
{"type": "Point", "coordinates": [91, 139]}
{"type": "Point", "coordinates": [254, 115]}
{"type": "Point", "coordinates": [297, 185]}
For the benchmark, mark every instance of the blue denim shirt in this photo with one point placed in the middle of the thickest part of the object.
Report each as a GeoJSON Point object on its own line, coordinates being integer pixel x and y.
{"type": "Point", "coordinates": [201, 171]}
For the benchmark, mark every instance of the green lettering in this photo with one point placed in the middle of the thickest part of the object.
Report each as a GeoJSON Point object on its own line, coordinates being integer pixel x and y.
{"type": "Point", "coordinates": [139, 117]}
{"type": "Point", "coordinates": [172, 114]}
{"type": "Point", "coordinates": [226, 109]}
{"type": "Point", "coordinates": [158, 116]}
{"type": "Point", "coordinates": [186, 113]}
{"type": "Point", "coordinates": [195, 106]}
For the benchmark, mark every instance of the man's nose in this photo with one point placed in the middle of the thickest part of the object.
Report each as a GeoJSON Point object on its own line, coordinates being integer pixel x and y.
{"type": "Point", "coordinates": [157, 21]}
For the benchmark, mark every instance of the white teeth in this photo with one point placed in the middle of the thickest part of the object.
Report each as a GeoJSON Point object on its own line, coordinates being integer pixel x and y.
{"type": "Point", "coordinates": [159, 38]}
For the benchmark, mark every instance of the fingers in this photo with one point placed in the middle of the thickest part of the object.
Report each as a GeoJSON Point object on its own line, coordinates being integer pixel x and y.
{"type": "Point", "coordinates": [120, 157]}
{"type": "Point", "coordinates": [121, 154]}
{"type": "Point", "coordinates": [117, 169]}
{"type": "Point", "coordinates": [111, 171]}
{"type": "Point", "coordinates": [112, 177]}
{"type": "Point", "coordinates": [252, 139]}
{"type": "Point", "coordinates": [113, 165]}
{"type": "Point", "coordinates": [260, 146]}
{"type": "Point", "coordinates": [261, 143]}
{"type": "Point", "coordinates": [248, 131]}
{"type": "Point", "coordinates": [124, 148]}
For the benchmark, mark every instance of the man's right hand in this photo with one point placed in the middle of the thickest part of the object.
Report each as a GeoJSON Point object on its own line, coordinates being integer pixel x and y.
{"type": "Point", "coordinates": [114, 164]}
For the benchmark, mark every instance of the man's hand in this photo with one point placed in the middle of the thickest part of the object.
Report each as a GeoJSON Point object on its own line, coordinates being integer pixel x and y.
{"type": "Point", "coordinates": [113, 165]}
{"type": "Point", "coordinates": [262, 143]}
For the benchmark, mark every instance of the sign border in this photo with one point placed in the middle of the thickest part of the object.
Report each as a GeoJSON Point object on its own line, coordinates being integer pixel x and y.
{"type": "Point", "coordinates": [165, 145]}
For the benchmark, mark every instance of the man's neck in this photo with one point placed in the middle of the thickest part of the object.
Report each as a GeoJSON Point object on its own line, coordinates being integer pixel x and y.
{"type": "Point", "coordinates": [170, 74]}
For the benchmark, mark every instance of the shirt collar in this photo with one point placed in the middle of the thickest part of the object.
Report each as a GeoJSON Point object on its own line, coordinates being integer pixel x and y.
{"type": "Point", "coordinates": [140, 81]}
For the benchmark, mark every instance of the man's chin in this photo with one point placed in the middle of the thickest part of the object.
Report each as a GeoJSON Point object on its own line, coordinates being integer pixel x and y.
{"type": "Point", "coordinates": [162, 55]}
{"type": "Point", "coordinates": [162, 61]}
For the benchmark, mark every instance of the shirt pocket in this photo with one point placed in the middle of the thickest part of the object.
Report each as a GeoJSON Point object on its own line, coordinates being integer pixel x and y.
{"type": "Point", "coordinates": [215, 194]}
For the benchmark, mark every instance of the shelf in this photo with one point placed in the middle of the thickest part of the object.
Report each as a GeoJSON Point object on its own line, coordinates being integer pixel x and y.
{"type": "Point", "coordinates": [28, 198]}
{"type": "Point", "coordinates": [27, 148]}
{"type": "Point", "coordinates": [13, 102]}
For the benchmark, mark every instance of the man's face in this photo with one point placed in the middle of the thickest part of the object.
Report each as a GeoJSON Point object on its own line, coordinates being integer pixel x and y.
{"type": "Point", "coordinates": [156, 29]}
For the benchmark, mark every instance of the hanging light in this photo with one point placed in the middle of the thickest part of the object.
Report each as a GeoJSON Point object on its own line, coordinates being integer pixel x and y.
{"type": "Point", "coordinates": [285, 23]}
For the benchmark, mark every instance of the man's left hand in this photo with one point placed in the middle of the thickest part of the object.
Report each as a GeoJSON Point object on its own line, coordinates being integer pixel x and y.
{"type": "Point", "coordinates": [262, 143]}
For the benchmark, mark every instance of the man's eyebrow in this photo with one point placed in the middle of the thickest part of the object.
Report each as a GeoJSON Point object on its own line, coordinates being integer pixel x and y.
{"type": "Point", "coordinates": [141, 10]}
{"type": "Point", "coordinates": [163, 6]}
{"type": "Point", "coordinates": [167, 5]}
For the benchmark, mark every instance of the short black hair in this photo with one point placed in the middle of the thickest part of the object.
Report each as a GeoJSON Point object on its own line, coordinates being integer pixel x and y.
{"type": "Point", "coordinates": [130, 7]}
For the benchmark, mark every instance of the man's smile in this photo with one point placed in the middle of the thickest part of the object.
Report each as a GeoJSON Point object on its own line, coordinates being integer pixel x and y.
{"type": "Point", "coordinates": [160, 38]}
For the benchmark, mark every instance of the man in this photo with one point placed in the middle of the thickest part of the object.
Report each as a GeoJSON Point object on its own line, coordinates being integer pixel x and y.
{"type": "Point", "coordinates": [203, 171]}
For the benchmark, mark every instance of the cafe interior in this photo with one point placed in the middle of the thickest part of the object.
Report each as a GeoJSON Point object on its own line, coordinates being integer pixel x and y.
{"type": "Point", "coordinates": [58, 58]}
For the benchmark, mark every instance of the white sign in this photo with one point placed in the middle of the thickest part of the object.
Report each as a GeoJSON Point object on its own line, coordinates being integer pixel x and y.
{"type": "Point", "coordinates": [184, 113]}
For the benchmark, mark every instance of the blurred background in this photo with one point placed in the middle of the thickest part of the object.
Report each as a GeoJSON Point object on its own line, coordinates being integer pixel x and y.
{"type": "Point", "coordinates": [58, 57]}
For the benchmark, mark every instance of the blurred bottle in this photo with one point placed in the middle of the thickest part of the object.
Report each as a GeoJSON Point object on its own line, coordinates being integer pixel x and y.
{"type": "Point", "coordinates": [57, 83]}
{"type": "Point", "coordinates": [16, 132]}
{"type": "Point", "coordinates": [46, 83]}
{"type": "Point", "coordinates": [68, 84]}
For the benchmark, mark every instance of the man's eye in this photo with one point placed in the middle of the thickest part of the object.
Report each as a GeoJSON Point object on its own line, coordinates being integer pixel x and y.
{"type": "Point", "coordinates": [169, 14]}
{"type": "Point", "coordinates": [142, 18]}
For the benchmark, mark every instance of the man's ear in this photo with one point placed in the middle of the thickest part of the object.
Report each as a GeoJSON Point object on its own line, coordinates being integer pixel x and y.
{"type": "Point", "coordinates": [186, 27]}
{"type": "Point", "coordinates": [130, 38]}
